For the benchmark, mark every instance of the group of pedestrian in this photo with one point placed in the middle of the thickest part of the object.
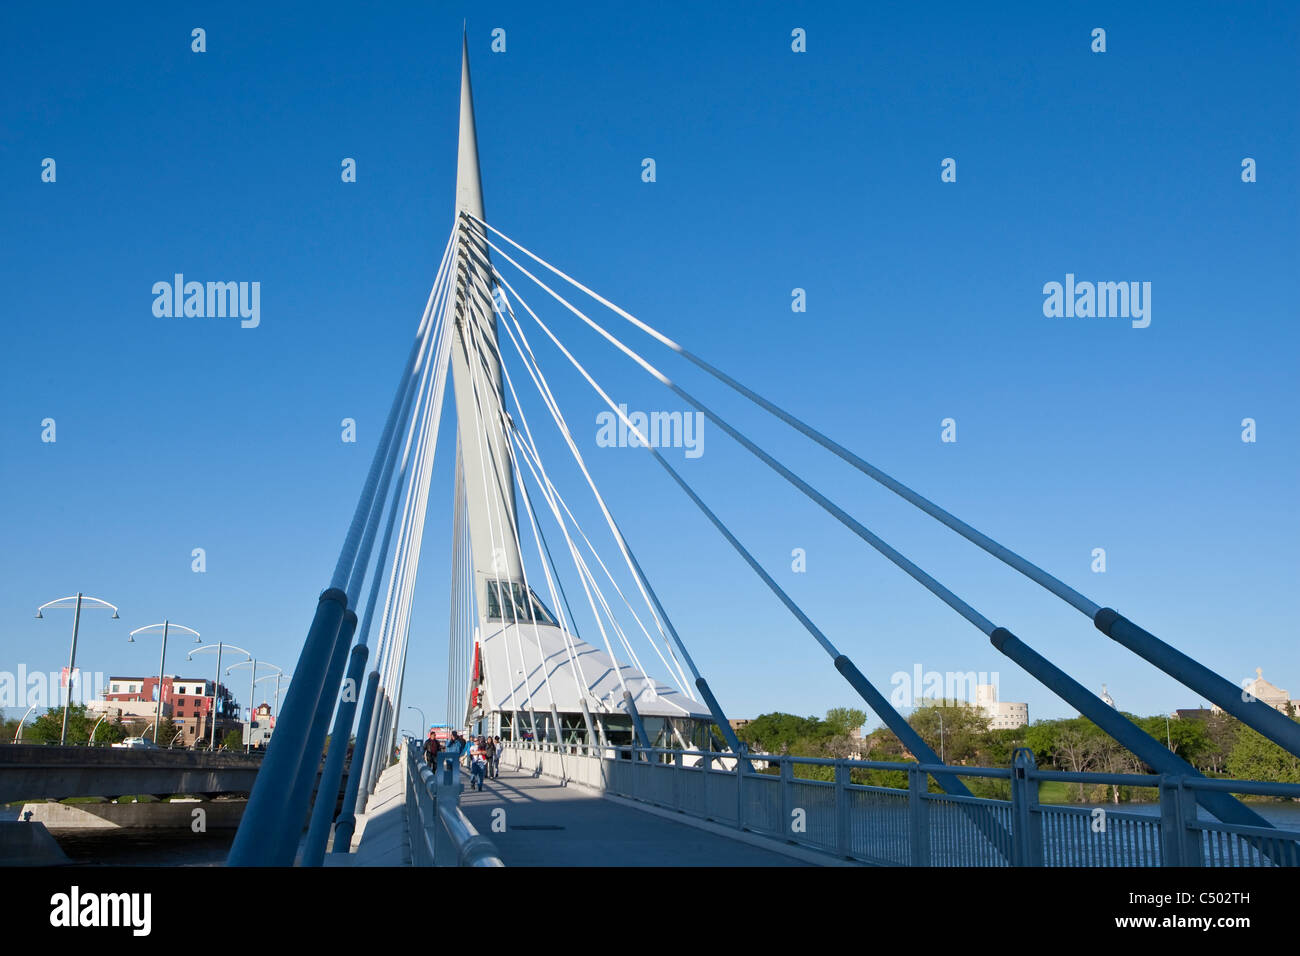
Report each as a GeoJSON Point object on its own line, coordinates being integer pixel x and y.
{"type": "Point", "coordinates": [482, 753]}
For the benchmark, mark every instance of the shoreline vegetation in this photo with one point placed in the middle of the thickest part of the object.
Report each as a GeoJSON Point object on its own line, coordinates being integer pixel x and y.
{"type": "Point", "coordinates": [1216, 744]}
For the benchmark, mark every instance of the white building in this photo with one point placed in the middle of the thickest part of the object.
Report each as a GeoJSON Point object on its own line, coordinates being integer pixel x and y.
{"type": "Point", "coordinates": [1269, 693]}
{"type": "Point", "coordinates": [1002, 715]}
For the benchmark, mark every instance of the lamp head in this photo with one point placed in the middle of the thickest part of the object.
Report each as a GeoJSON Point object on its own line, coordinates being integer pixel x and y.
{"type": "Point", "coordinates": [115, 617]}
{"type": "Point", "coordinates": [40, 616]}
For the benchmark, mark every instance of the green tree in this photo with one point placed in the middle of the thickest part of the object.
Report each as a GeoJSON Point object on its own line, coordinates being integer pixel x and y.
{"type": "Point", "coordinates": [955, 729]}
{"type": "Point", "coordinates": [1187, 738]}
{"type": "Point", "coordinates": [1221, 736]}
{"type": "Point", "coordinates": [48, 727]}
{"type": "Point", "coordinates": [1255, 757]}
{"type": "Point", "coordinates": [843, 721]}
{"type": "Point", "coordinates": [233, 740]}
{"type": "Point", "coordinates": [776, 732]}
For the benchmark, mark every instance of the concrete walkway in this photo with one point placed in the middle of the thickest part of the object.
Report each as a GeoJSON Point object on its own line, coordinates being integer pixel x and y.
{"type": "Point", "coordinates": [381, 837]}
{"type": "Point", "coordinates": [548, 824]}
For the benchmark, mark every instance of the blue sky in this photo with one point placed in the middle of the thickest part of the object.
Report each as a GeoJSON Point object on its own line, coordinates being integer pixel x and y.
{"type": "Point", "coordinates": [775, 170]}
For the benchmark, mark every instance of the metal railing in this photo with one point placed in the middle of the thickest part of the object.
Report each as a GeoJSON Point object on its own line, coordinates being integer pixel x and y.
{"type": "Point", "coordinates": [440, 833]}
{"type": "Point", "coordinates": [911, 826]}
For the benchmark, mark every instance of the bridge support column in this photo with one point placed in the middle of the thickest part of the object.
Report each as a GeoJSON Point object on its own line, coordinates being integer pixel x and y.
{"type": "Point", "coordinates": [299, 798]}
{"type": "Point", "coordinates": [591, 729]}
{"type": "Point", "coordinates": [264, 818]}
{"type": "Point", "coordinates": [637, 726]}
{"type": "Point", "coordinates": [323, 812]}
{"type": "Point", "coordinates": [347, 820]}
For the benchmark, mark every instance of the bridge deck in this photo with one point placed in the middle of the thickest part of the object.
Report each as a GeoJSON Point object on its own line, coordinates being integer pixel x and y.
{"type": "Point", "coordinates": [548, 824]}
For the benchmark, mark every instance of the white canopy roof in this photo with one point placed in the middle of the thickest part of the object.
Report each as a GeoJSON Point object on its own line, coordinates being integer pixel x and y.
{"type": "Point", "coordinates": [547, 671]}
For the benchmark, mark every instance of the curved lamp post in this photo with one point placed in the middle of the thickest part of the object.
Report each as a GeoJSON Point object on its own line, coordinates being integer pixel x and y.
{"type": "Point", "coordinates": [18, 734]}
{"type": "Point", "coordinates": [167, 627]}
{"type": "Point", "coordinates": [216, 684]}
{"type": "Point", "coordinates": [424, 724]}
{"type": "Point", "coordinates": [91, 741]}
{"type": "Point", "coordinates": [277, 677]}
{"type": "Point", "coordinates": [252, 686]}
{"type": "Point", "coordinates": [75, 602]}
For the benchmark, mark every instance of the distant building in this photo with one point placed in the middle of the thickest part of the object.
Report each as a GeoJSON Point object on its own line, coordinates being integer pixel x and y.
{"type": "Point", "coordinates": [191, 702]}
{"type": "Point", "coordinates": [261, 727]}
{"type": "Point", "coordinates": [1002, 715]}
{"type": "Point", "coordinates": [1192, 713]}
{"type": "Point", "coordinates": [1106, 698]}
{"type": "Point", "coordinates": [1269, 693]}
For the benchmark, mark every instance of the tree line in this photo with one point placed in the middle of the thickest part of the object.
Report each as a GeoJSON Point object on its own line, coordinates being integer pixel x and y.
{"type": "Point", "coordinates": [47, 728]}
{"type": "Point", "coordinates": [1217, 744]}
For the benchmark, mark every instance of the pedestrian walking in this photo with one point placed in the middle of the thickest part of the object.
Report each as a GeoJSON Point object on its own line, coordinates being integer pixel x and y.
{"type": "Point", "coordinates": [477, 764]}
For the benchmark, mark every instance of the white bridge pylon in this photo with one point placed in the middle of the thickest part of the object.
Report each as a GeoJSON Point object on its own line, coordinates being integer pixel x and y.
{"type": "Point", "coordinates": [516, 664]}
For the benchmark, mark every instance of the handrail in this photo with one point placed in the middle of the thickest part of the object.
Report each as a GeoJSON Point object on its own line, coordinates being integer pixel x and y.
{"type": "Point", "coordinates": [1152, 781]}
{"type": "Point", "coordinates": [440, 833]}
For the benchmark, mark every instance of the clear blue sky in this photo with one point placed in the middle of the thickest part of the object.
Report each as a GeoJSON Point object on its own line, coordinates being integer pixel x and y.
{"type": "Point", "coordinates": [775, 170]}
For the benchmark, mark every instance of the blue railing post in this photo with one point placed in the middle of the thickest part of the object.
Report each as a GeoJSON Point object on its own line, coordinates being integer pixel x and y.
{"type": "Point", "coordinates": [918, 814]}
{"type": "Point", "coordinates": [741, 770]}
{"type": "Point", "coordinates": [785, 829]}
{"type": "Point", "coordinates": [1026, 819]}
{"type": "Point", "coordinates": [264, 817]}
{"type": "Point", "coordinates": [1180, 842]}
{"type": "Point", "coordinates": [678, 780]}
{"type": "Point", "coordinates": [843, 832]}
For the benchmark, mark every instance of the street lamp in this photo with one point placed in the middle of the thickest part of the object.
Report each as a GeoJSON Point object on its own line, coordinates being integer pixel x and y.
{"type": "Point", "coordinates": [278, 677]}
{"type": "Point", "coordinates": [281, 676]}
{"type": "Point", "coordinates": [18, 734]}
{"type": "Point", "coordinates": [77, 600]}
{"type": "Point", "coordinates": [252, 685]}
{"type": "Point", "coordinates": [162, 660]}
{"type": "Point", "coordinates": [216, 684]}
{"type": "Point", "coordinates": [423, 723]}
{"type": "Point", "coordinates": [91, 741]}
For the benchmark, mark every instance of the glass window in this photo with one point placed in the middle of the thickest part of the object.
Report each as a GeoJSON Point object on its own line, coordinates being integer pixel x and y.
{"type": "Point", "coordinates": [508, 597]}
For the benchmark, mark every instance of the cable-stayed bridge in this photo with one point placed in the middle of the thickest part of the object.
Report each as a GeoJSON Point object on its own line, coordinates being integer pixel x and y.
{"type": "Point", "coordinates": [622, 709]}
